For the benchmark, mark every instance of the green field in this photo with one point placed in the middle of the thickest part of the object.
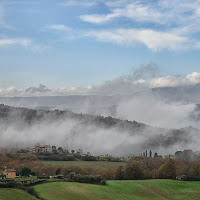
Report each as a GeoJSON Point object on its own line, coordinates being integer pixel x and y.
{"type": "Point", "coordinates": [14, 194]}
{"type": "Point", "coordinates": [121, 190]}
{"type": "Point", "coordinates": [96, 165]}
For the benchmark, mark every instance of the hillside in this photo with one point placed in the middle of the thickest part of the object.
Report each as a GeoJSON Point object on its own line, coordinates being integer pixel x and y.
{"type": "Point", "coordinates": [15, 194]}
{"type": "Point", "coordinates": [119, 136]}
{"type": "Point", "coordinates": [122, 190]}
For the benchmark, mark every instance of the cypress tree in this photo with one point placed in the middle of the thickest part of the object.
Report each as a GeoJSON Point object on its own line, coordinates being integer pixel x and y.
{"type": "Point", "coordinates": [150, 153]}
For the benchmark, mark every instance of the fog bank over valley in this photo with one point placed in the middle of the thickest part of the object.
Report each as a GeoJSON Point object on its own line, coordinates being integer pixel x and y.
{"type": "Point", "coordinates": [163, 114]}
{"type": "Point", "coordinates": [99, 135]}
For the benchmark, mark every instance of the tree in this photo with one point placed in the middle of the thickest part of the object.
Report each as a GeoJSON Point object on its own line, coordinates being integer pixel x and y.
{"type": "Point", "coordinates": [150, 153]}
{"type": "Point", "coordinates": [25, 171]}
{"type": "Point", "coordinates": [178, 155]}
{"type": "Point", "coordinates": [119, 174]}
{"type": "Point", "coordinates": [60, 149]}
{"type": "Point", "coordinates": [134, 170]}
{"type": "Point", "coordinates": [54, 150]}
{"type": "Point", "coordinates": [155, 155]}
{"type": "Point", "coordinates": [188, 154]}
{"type": "Point", "coordinates": [195, 168]}
{"type": "Point", "coordinates": [27, 156]}
{"type": "Point", "coordinates": [72, 151]}
{"type": "Point", "coordinates": [168, 170]}
{"type": "Point", "coordinates": [33, 173]}
{"type": "Point", "coordinates": [58, 171]}
{"type": "Point", "coordinates": [146, 153]}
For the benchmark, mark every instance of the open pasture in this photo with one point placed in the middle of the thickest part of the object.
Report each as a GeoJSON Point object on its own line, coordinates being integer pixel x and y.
{"type": "Point", "coordinates": [15, 194]}
{"type": "Point", "coordinates": [96, 165]}
{"type": "Point", "coordinates": [121, 190]}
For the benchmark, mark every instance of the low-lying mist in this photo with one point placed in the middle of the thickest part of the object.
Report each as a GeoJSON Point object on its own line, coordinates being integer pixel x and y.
{"type": "Point", "coordinates": [24, 128]}
{"type": "Point", "coordinates": [169, 105]}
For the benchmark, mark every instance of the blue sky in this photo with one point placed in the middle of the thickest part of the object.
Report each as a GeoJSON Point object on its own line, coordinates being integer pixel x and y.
{"type": "Point", "coordinates": [83, 43]}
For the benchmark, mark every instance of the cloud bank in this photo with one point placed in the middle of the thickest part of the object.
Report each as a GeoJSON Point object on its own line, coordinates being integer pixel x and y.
{"type": "Point", "coordinates": [154, 40]}
{"type": "Point", "coordinates": [129, 84]}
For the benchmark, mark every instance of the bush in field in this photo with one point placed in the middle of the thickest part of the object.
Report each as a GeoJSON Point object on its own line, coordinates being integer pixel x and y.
{"type": "Point", "coordinates": [109, 174]}
{"type": "Point", "coordinates": [56, 157]}
{"type": "Point", "coordinates": [89, 158]}
{"type": "Point", "coordinates": [25, 171]}
{"type": "Point", "coordinates": [93, 179]}
{"type": "Point", "coordinates": [168, 170]}
{"type": "Point", "coordinates": [120, 174]}
{"type": "Point", "coordinates": [58, 171]}
{"type": "Point", "coordinates": [134, 170]}
{"type": "Point", "coordinates": [195, 168]}
{"type": "Point", "coordinates": [43, 177]}
{"type": "Point", "coordinates": [74, 169]}
{"type": "Point", "coordinates": [31, 191]}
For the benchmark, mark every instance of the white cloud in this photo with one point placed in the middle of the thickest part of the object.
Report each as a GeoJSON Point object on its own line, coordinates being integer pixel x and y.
{"type": "Point", "coordinates": [181, 17]}
{"type": "Point", "coordinates": [79, 3]}
{"type": "Point", "coordinates": [58, 27]}
{"type": "Point", "coordinates": [165, 12]}
{"type": "Point", "coordinates": [134, 11]}
{"type": "Point", "coordinates": [42, 90]}
{"type": "Point", "coordinates": [164, 24]}
{"type": "Point", "coordinates": [154, 40]}
{"type": "Point", "coordinates": [120, 86]}
{"type": "Point", "coordinates": [15, 41]}
{"type": "Point", "coordinates": [26, 43]}
{"type": "Point", "coordinates": [168, 81]}
{"type": "Point", "coordinates": [97, 19]}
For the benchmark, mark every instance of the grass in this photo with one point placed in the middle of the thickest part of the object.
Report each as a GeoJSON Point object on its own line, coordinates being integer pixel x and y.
{"type": "Point", "coordinates": [96, 165]}
{"type": "Point", "coordinates": [14, 194]}
{"type": "Point", "coordinates": [18, 179]}
{"type": "Point", "coordinates": [121, 190]}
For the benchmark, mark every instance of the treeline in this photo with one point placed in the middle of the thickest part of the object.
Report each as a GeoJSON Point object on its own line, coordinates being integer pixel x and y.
{"type": "Point", "coordinates": [10, 114]}
{"type": "Point", "coordinates": [63, 156]}
{"type": "Point", "coordinates": [151, 168]}
{"type": "Point", "coordinates": [136, 168]}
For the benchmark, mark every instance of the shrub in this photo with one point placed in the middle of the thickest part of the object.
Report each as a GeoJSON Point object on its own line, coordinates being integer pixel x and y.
{"type": "Point", "coordinates": [43, 177]}
{"type": "Point", "coordinates": [103, 182]}
{"type": "Point", "coordinates": [93, 179]}
{"type": "Point", "coordinates": [31, 191]}
{"type": "Point", "coordinates": [25, 171]}
{"type": "Point", "coordinates": [168, 170]}
{"type": "Point", "coordinates": [134, 171]}
{"type": "Point", "coordinates": [119, 174]}
{"type": "Point", "coordinates": [27, 156]}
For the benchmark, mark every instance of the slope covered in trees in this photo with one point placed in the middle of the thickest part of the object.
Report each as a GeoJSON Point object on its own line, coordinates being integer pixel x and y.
{"type": "Point", "coordinates": [152, 137]}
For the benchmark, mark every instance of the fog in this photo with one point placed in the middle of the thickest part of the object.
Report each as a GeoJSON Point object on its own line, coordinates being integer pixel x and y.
{"type": "Point", "coordinates": [155, 111]}
{"type": "Point", "coordinates": [92, 137]}
{"type": "Point", "coordinates": [144, 96]}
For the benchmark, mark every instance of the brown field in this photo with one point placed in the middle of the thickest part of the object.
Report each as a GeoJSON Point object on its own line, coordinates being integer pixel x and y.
{"type": "Point", "coordinates": [96, 165]}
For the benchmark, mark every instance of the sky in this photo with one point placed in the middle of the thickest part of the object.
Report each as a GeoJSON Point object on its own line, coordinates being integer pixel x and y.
{"type": "Point", "coordinates": [72, 43]}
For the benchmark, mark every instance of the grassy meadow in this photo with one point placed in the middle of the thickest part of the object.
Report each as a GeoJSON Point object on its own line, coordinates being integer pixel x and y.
{"type": "Point", "coordinates": [14, 194]}
{"type": "Point", "coordinates": [121, 190]}
{"type": "Point", "coordinates": [96, 165]}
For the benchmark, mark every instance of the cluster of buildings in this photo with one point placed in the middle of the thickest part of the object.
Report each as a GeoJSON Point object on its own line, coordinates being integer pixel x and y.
{"type": "Point", "coordinates": [41, 148]}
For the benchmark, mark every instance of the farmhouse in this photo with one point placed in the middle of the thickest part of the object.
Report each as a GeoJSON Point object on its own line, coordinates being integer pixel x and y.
{"type": "Point", "coordinates": [41, 148]}
{"type": "Point", "coordinates": [10, 173]}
